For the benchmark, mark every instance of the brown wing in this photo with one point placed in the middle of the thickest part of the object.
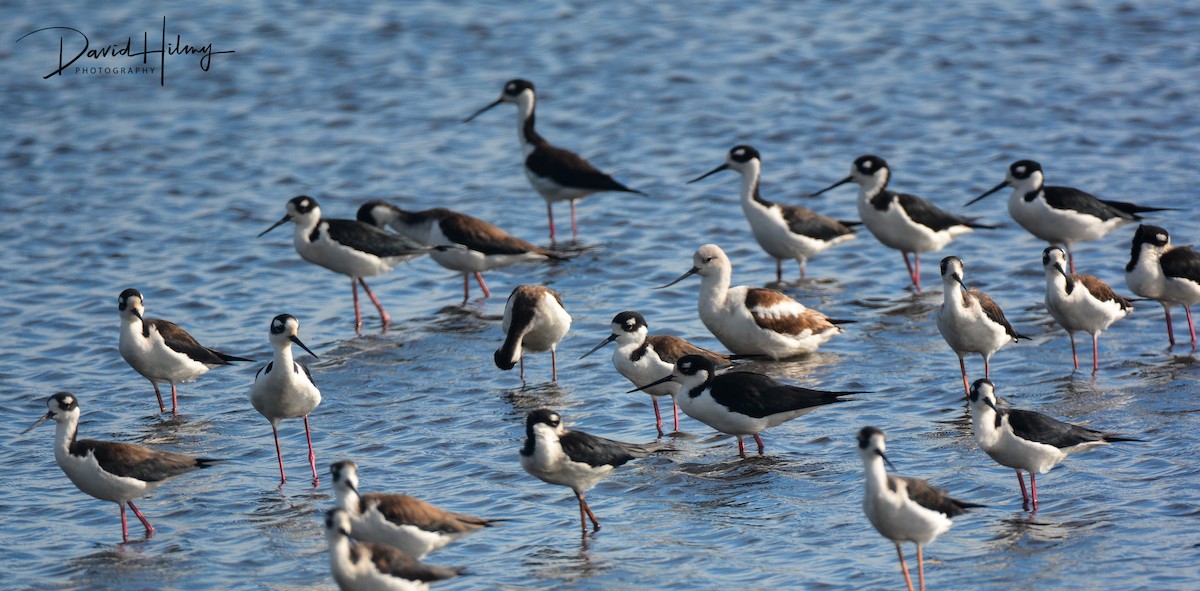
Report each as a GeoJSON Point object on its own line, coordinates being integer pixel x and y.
{"type": "Point", "coordinates": [482, 236]}
{"type": "Point", "coordinates": [399, 564]}
{"type": "Point", "coordinates": [1101, 291]}
{"type": "Point", "coordinates": [775, 311]}
{"type": "Point", "coordinates": [992, 310]}
{"type": "Point", "coordinates": [671, 348]}
{"type": "Point", "coordinates": [134, 461]}
{"type": "Point", "coordinates": [406, 510]}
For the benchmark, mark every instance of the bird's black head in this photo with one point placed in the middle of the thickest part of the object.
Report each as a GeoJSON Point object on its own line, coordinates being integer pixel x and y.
{"type": "Point", "coordinates": [1153, 235]}
{"type": "Point", "coordinates": [279, 323]}
{"type": "Point", "coordinates": [950, 264]}
{"type": "Point", "coordinates": [690, 365]}
{"type": "Point", "coordinates": [869, 164]}
{"type": "Point", "coordinates": [629, 321]}
{"type": "Point", "coordinates": [302, 204]}
{"type": "Point", "coordinates": [544, 416]}
{"type": "Point", "coordinates": [743, 153]}
{"type": "Point", "coordinates": [516, 86]}
{"type": "Point", "coordinates": [64, 401]}
{"type": "Point", "coordinates": [865, 434]}
{"type": "Point", "coordinates": [1023, 169]}
{"type": "Point", "coordinates": [984, 389]}
{"type": "Point", "coordinates": [123, 300]}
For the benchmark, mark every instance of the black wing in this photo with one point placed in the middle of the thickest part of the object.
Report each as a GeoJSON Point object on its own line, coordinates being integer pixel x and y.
{"type": "Point", "coordinates": [370, 239]}
{"type": "Point", "coordinates": [758, 395]}
{"type": "Point", "coordinates": [568, 168]}
{"type": "Point", "coordinates": [931, 216]}
{"type": "Point", "coordinates": [482, 236]}
{"type": "Point", "coordinates": [804, 221]}
{"type": "Point", "coordinates": [181, 342]}
{"type": "Point", "coordinates": [598, 451]}
{"type": "Point", "coordinates": [930, 496]}
{"type": "Point", "coordinates": [1083, 202]}
{"type": "Point", "coordinates": [1037, 427]}
{"type": "Point", "coordinates": [1181, 262]}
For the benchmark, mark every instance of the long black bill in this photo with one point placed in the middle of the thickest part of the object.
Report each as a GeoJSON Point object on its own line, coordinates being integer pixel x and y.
{"type": "Point", "coordinates": [691, 272]}
{"type": "Point", "coordinates": [281, 222]}
{"type": "Point", "coordinates": [886, 460]}
{"type": "Point", "coordinates": [481, 111]}
{"type": "Point", "coordinates": [611, 338]}
{"type": "Point", "coordinates": [296, 339]}
{"type": "Point", "coordinates": [989, 192]}
{"type": "Point", "coordinates": [669, 378]}
{"type": "Point", "coordinates": [837, 184]}
{"type": "Point", "coordinates": [47, 417]}
{"type": "Point", "coordinates": [710, 173]}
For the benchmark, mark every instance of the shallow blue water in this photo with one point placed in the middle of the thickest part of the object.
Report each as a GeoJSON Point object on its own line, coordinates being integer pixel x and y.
{"type": "Point", "coordinates": [115, 181]}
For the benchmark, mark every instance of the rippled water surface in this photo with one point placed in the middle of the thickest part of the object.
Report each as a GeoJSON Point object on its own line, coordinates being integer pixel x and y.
{"type": "Point", "coordinates": [115, 181]}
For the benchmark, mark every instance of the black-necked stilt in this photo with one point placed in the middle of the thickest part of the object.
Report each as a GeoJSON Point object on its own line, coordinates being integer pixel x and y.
{"type": "Point", "coordinates": [555, 173]}
{"type": "Point", "coordinates": [1080, 302]}
{"type": "Point", "coordinates": [740, 403]}
{"type": "Point", "coordinates": [349, 247]}
{"type": "Point", "coordinates": [901, 508]}
{"type": "Point", "coordinates": [970, 321]}
{"type": "Point", "coordinates": [365, 566]}
{"type": "Point", "coordinates": [574, 459]}
{"type": "Point", "coordinates": [405, 522]}
{"type": "Point", "coordinates": [479, 246]}
{"type": "Point", "coordinates": [643, 358]}
{"type": "Point", "coordinates": [1164, 273]}
{"type": "Point", "coordinates": [284, 389]}
{"type": "Point", "coordinates": [109, 470]}
{"type": "Point", "coordinates": [784, 231]}
{"type": "Point", "coordinates": [1061, 215]}
{"type": "Point", "coordinates": [904, 222]}
{"type": "Point", "coordinates": [753, 320]}
{"type": "Point", "coordinates": [160, 350]}
{"type": "Point", "coordinates": [1027, 440]}
{"type": "Point", "coordinates": [534, 320]}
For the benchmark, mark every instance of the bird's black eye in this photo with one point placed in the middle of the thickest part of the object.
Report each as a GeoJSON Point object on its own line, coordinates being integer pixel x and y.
{"type": "Point", "coordinates": [709, 259]}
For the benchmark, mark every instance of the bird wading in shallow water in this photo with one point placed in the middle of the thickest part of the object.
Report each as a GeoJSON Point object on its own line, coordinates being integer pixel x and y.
{"type": "Point", "coordinates": [556, 174]}
{"type": "Point", "coordinates": [284, 389]}
{"type": "Point", "coordinates": [535, 321]}
{"type": "Point", "coordinates": [970, 321]}
{"type": "Point", "coordinates": [364, 566]}
{"type": "Point", "coordinates": [109, 470]}
{"type": "Point", "coordinates": [903, 509]}
{"type": "Point", "coordinates": [1080, 302]}
{"type": "Point", "coordinates": [161, 351]}
{"type": "Point", "coordinates": [1164, 273]}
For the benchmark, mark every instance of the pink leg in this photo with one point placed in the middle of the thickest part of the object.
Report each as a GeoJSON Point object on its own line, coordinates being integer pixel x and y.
{"type": "Point", "coordinates": [1024, 494]}
{"type": "Point", "coordinates": [357, 312]}
{"type": "Point", "coordinates": [921, 566]}
{"type": "Point", "coordinates": [142, 518]}
{"type": "Point", "coordinates": [917, 270]}
{"type": "Point", "coordinates": [278, 454]}
{"type": "Point", "coordinates": [1071, 259]}
{"type": "Point", "coordinates": [124, 524]}
{"type": "Point", "coordinates": [374, 300]}
{"type": "Point", "coordinates": [1170, 331]}
{"type": "Point", "coordinates": [759, 441]}
{"type": "Point", "coordinates": [907, 265]}
{"type": "Point", "coordinates": [1095, 355]}
{"type": "Point", "coordinates": [987, 369]}
{"type": "Point", "coordinates": [803, 269]}
{"type": "Point", "coordinates": [174, 400]}
{"type": "Point", "coordinates": [553, 365]}
{"type": "Point", "coordinates": [1191, 327]}
{"type": "Point", "coordinates": [479, 277]}
{"type": "Point", "coordinates": [962, 366]}
{"type": "Point", "coordinates": [903, 566]}
{"type": "Point", "coordinates": [158, 394]}
{"type": "Point", "coordinates": [675, 407]}
{"type": "Point", "coordinates": [312, 457]}
{"type": "Point", "coordinates": [657, 416]}
{"type": "Point", "coordinates": [1074, 357]}
{"type": "Point", "coordinates": [778, 269]}
{"type": "Point", "coordinates": [574, 228]}
{"type": "Point", "coordinates": [584, 508]}
{"type": "Point", "coordinates": [1033, 489]}
{"type": "Point", "coordinates": [741, 446]}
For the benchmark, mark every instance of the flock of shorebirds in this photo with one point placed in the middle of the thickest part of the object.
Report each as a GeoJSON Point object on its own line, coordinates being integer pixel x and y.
{"type": "Point", "coordinates": [376, 540]}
